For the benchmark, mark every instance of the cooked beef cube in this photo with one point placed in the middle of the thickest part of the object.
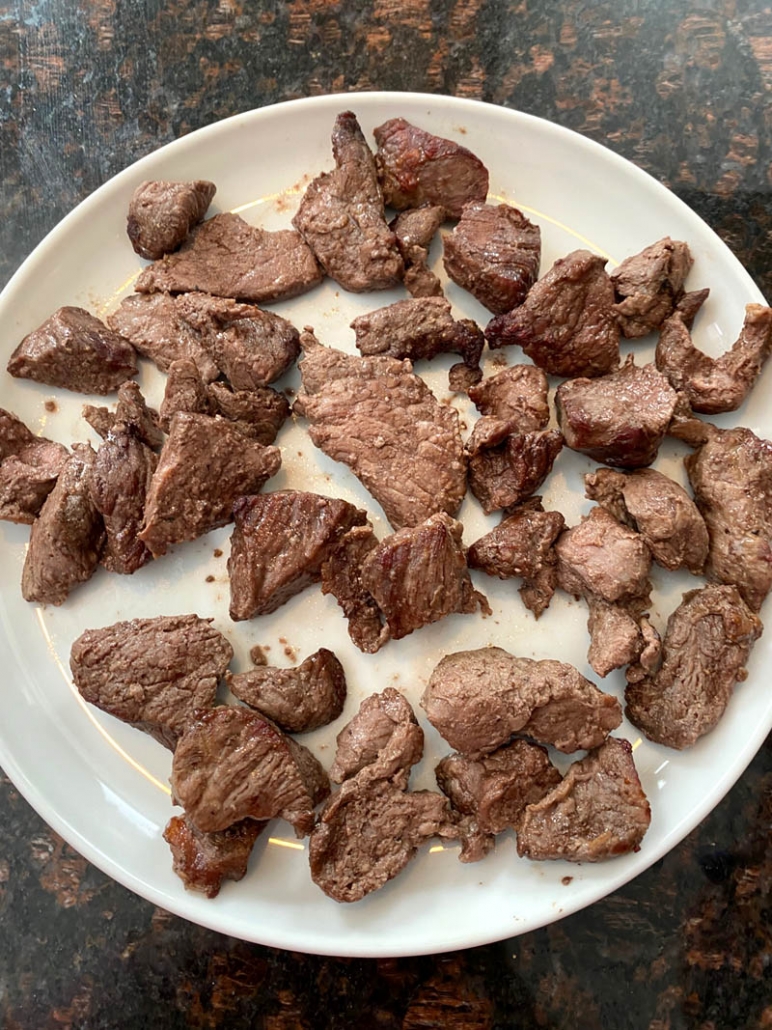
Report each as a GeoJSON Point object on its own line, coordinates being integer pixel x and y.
{"type": "Point", "coordinates": [205, 465]}
{"type": "Point", "coordinates": [478, 699]}
{"type": "Point", "coordinates": [415, 229]}
{"type": "Point", "coordinates": [297, 700]}
{"type": "Point", "coordinates": [29, 466]}
{"type": "Point", "coordinates": [657, 508]}
{"type": "Point", "coordinates": [185, 391]}
{"type": "Point", "coordinates": [260, 412]}
{"type": "Point", "coordinates": [566, 324]}
{"type": "Point", "coordinates": [384, 733]}
{"type": "Point", "coordinates": [616, 637]}
{"type": "Point", "coordinates": [66, 539]}
{"type": "Point", "coordinates": [415, 167]}
{"type": "Point", "coordinates": [161, 214]}
{"type": "Point", "coordinates": [120, 481]}
{"type": "Point", "coordinates": [494, 252]}
{"type": "Point", "coordinates": [227, 257]}
{"type": "Point", "coordinates": [155, 326]}
{"type": "Point", "coordinates": [323, 365]}
{"type": "Point", "coordinates": [419, 575]}
{"type": "Point", "coordinates": [131, 407]}
{"type": "Point", "coordinates": [342, 577]}
{"type": "Point", "coordinates": [713, 385]}
{"type": "Point", "coordinates": [518, 393]}
{"type": "Point", "coordinates": [598, 811]}
{"type": "Point", "coordinates": [341, 217]}
{"type": "Point", "coordinates": [75, 351]}
{"type": "Point", "coordinates": [649, 285]}
{"type": "Point", "coordinates": [707, 643]}
{"type": "Point", "coordinates": [203, 860]}
{"type": "Point", "coordinates": [232, 764]}
{"type": "Point", "coordinates": [522, 545]}
{"type": "Point", "coordinates": [689, 304]}
{"type": "Point", "coordinates": [619, 419]}
{"type": "Point", "coordinates": [152, 673]}
{"type": "Point", "coordinates": [507, 466]}
{"type": "Point", "coordinates": [279, 544]}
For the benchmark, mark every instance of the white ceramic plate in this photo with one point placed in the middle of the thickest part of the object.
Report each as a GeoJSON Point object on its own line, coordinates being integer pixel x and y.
{"type": "Point", "coordinates": [104, 786]}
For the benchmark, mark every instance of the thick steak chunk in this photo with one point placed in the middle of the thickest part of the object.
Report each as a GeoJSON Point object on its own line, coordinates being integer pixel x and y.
{"type": "Point", "coordinates": [161, 214]}
{"type": "Point", "coordinates": [185, 390]}
{"type": "Point", "coordinates": [261, 412]}
{"type": "Point", "coordinates": [342, 577]}
{"type": "Point", "coordinates": [131, 408]}
{"type": "Point", "coordinates": [649, 285]}
{"type": "Point", "coordinates": [203, 860]}
{"type": "Point", "coordinates": [506, 466]}
{"type": "Point", "coordinates": [29, 466]}
{"type": "Point", "coordinates": [518, 393]}
{"type": "Point", "coordinates": [618, 637]}
{"type": "Point", "coordinates": [384, 734]}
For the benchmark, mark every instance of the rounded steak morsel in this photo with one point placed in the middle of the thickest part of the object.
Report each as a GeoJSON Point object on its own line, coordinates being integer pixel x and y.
{"type": "Point", "coordinates": [648, 286]}
{"type": "Point", "coordinates": [203, 860]}
{"type": "Point", "coordinates": [384, 733]}
{"type": "Point", "coordinates": [161, 214]}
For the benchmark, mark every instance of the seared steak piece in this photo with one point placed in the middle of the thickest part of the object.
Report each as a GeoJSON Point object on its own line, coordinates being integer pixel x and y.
{"type": "Point", "coordinates": [619, 419]}
{"type": "Point", "coordinates": [566, 324]}
{"type": "Point", "coordinates": [494, 252]}
{"type": "Point", "coordinates": [713, 385]}
{"type": "Point", "coordinates": [74, 351]}
{"type": "Point", "coordinates": [260, 412]}
{"type": "Point", "coordinates": [227, 257]}
{"type": "Point", "coordinates": [152, 673]}
{"type": "Point", "coordinates": [617, 638]}
{"type": "Point", "coordinates": [185, 390]}
{"type": "Point", "coordinates": [279, 544]}
{"type": "Point", "coordinates": [517, 393]}
{"type": "Point", "coordinates": [161, 214]}
{"type": "Point", "coordinates": [341, 217]}
{"type": "Point", "coordinates": [649, 285]}
{"type": "Point", "coordinates": [232, 764]}
{"type": "Point", "coordinates": [342, 577]}
{"type": "Point", "coordinates": [131, 407]}
{"type": "Point", "coordinates": [29, 466]}
{"type": "Point", "coordinates": [707, 643]}
{"type": "Point", "coordinates": [323, 365]}
{"type": "Point", "coordinates": [415, 167]}
{"type": "Point", "coordinates": [419, 575]}
{"type": "Point", "coordinates": [478, 699]}
{"type": "Point", "coordinates": [205, 465]}
{"type": "Point", "coordinates": [689, 304]}
{"type": "Point", "coordinates": [659, 509]}
{"type": "Point", "coordinates": [505, 465]}
{"type": "Point", "coordinates": [598, 811]}
{"type": "Point", "coordinates": [299, 699]}
{"type": "Point", "coordinates": [415, 229]}
{"type": "Point", "coordinates": [203, 860]}
{"type": "Point", "coordinates": [66, 539]}
{"type": "Point", "coordinates": [522, 545]}
{"type": "Point", "coordinates": [384, 734]}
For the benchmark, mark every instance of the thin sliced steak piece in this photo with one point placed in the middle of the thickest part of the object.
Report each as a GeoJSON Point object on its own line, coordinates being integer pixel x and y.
{"type": "Point", "coordinates": [131, 407]}
{"type": "Point", "coordinates": [29, 467]}
{"type": "Point", "coordinates": [323, 365]}
{"type": "Point", "coordinates": [384, 734]}
{"type": "Point", "coordinates": [342, 577]}
{"type": "Point", "coordinates": [161, 214]}
{"type": "Point", "coordinates": [649, 285]}
{"type": "Point", "coordinates": [203, 860]}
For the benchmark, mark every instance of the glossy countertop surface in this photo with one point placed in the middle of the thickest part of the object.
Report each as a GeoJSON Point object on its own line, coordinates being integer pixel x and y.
{"type": "Point", "coordinates": [680, 89]}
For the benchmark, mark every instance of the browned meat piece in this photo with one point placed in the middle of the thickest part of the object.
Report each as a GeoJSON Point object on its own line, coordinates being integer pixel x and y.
{"type": "Point", "coordinates": [420, 280]}
{"type": "Point", "coordinates": [478, 699]}
{"type": "Point", "coordinates": [206, 463]}
{"type": "Point", "coordinates": [74, 351]}
{"type": "Point", "coordinates": [517, 393]}
{"type": "Point", "coordinates": [419, 575]}
{"type": "Point", "coordinates": [619, 419]}
{"type": "Point", "coordinates": [415, 168]}
{"type": "Point", "coordinates": [66, 539]}
{"type": "Point", "coordinates": [185, 390]}
{"type": "Point", "coordinates": [161, 214]}
{"type": "Point", "coordinates": [29, 466]}
{"type": "Point", "coordinates": [566, 324]}
{"type": "Point", "coordinates": [299, 699]}
{"type": "Point", "coordinates": [232, 764]}
{"type": "Point", "coordinates": [597, 812]}
{"type": "Point", "coordinates": [649, 285]}
{"type": "Point", "coordinates": [152, 673]}
{"type": "Point", "coordinates": [203, 860]}
{"type": "Point", "coordinates": [507, 466]}
{"type": "Point", "coordinates": [707, 643]}
{"type": "Point", "coordinates": [415, 229]}
{"type": "Point", "coordinates": [260, 412]}
{"type": "Point", "coordinates": [323, 365]}
{"type": "Point", "coordinates": [657, 508]}
{"type": "Point", "coordinates": [131, 407]}
{"type": "Point", "coordinates": [617, 638]}
{"type": "Point", "coordinates": [342, 577]}
{"type": "Point", "coordinates": [713, 385]}
{"type": "Point", "coordinates": [522, 545]}
{"type": "Point", "coordinates": [279, 544]}
{"type": "Point", "coordinates": [689, 304]}
{"type": "Point", "coordinates": [494, 252]}
{"type": "Point", "coordinates": [731, 475]}
{"type": "Point", "coordinates": [227, 257]}
{"type": "Point", "coordinates": [383, 734]}
{"type": "Point", "coordinates": [341, 216]}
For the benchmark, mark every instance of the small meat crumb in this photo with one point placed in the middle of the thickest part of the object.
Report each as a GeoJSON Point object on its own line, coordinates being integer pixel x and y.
{"type": "Point", "coordinates": [209, 579]}
{"type": "Point", "coordinates": [291, 653]}
{"type": "Point", "coordinates": [566, 880]}
{"type": "Point", "coordinates": [217, 552]}
{"type": "Point", "coordinates": [50, 406]}
{"type": "Point", "coordinates": [257, 655]}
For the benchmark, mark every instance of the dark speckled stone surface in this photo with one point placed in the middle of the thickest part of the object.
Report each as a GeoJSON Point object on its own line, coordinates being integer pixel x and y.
{"type": "Point", "coordinates": [680, 88]}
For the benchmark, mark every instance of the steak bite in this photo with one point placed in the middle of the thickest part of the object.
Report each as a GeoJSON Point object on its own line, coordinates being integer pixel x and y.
{"type": "Point", "coordinates": [598, 811]}
{"type": "Point", "coordinates": [341, 217]}
{"type": "Point", "coordinates": [415, 168]}
{"type": "Point", "coordinates": [618, 638]}
{"type": "Point", "coordinates": [67, 537]}
{"type": "Point", "coordinates": [203, 860]}
{"type": "Point", "coordinates": [649, 285]}
{"type": "Point", "coordinates": [342, 577]}
{"type": "Point", "coordinates": [260, 412]}
{"type": "Point", "coordinates": [161, 214]}
{"type": "Point", "coordinates": [131, 408]}
{"type": "Point", "coordinates": [566, 324]}
{"type": "Point", "coordinates": [227, 257]}
{"type": "Point", "coordinates": [478, 699]}
{"type": "Point", "coordinates": [185, 390]}
{"type": "Point", "coordinates": [619, 419]}
{"type": "Point", "coordinates": [323, 365]}
{"type": "Point", "coordinates": [29, 466]}
{"type": "Point", "coordinates": [299, 699]}
{"type": "Point", "coordinates": [384, 734]}
{"type": "Point", "coordinates": [419, 575]}
{"type": "Point", "coordinates": [152, 673]}
{"type": "Point", "coordinates": [232, 764]}
{"type": "Point", "coordinates": [205, 465]}
{"type": "Point", "coordinates": [707, 643]}
{"type": "Point", "coordinates": [415, 229]}
{"type": "Point", "coordinates": [506, 466]}
{"type": "Point", "coordinates": [517, 393]}
{"type": "Point", "coordinates": [493, 252]}
{"type": "Point", "coordinates": [279, 544]}
{"type": "Point", "coordinates": [73, 350]}
{"type": "Point", "coordinates": [714, 385]}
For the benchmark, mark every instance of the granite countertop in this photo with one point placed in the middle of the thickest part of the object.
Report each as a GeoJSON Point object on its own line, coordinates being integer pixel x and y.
{"type": "Point", "coordinates": [680, 88]}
